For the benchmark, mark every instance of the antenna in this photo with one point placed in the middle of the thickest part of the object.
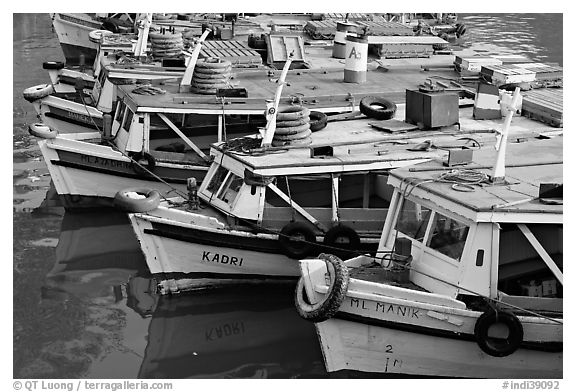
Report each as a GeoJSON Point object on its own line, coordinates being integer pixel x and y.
{"type": "Point", "coordinates": [498, 173]}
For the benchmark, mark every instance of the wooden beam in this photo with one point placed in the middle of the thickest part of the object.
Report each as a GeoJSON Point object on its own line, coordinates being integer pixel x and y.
{"type": "Point", "coordinates": [542, 252]}
{"type": "Point", "coordinates": [184, 137]}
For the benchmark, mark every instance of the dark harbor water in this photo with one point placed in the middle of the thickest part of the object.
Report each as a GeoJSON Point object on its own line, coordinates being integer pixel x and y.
{"type": "Point", "coordinates": [83, 304]}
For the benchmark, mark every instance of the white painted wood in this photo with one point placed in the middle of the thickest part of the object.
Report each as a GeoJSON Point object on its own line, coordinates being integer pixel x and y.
{"type": "Point", "coordinates": [499, 167]}
{"type": "Point", "coordinates": [542, 252]}
{"type": "Point", "coordinates": [187, 77]}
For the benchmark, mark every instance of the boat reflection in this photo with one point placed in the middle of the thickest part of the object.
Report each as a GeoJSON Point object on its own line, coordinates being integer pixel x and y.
{"type": "Point", "coordinates": [97, 252]}
{"type": "Point", "coordinates": [235, 332]}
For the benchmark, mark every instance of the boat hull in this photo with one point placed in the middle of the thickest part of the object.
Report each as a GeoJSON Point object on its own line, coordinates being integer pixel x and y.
{"type": "Point", "coordinates": [67, 116]}
{"type": "Point", "coordinates": [356, 346]}
{"type": "Point", "coordinates": [86, 174]}
{"type": "Point", "coordinates": [187, 257]}
{"type": "Point", "coordinates": [73, 33]}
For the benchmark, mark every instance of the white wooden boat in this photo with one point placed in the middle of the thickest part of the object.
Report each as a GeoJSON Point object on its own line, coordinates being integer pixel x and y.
{"type": "Point", "coordinates": [466, 284]}
{"type": "Point", "coordinates": [258, 201]}
{"type": "Point", "coordinates": [73, 31]}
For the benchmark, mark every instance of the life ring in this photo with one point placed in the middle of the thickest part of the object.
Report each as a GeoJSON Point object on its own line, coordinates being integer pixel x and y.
{"type": "Point", "coordinates": [40, 91]}
{"type": "Point", "coordinates": [385, 113]}
{"type": "Point", "coordinates": [212, 71]}
{"type": "Point", "coordinates": [52, 65]}
{"type": "Point", "coordinates": [318, 121]}
{"type": "Point", "coordinates": [210, 76]}
{"type": "Point", "coordinates": [42, 131]}
{"type": "Point", "coordinates": [291, 113]}
{"type": "Point", "coordinates": [494, 346]}
{"type": "Point", "coordinates": [126, 201]}
{"type": "Point", "coordinates": [143, 168]}
{"type": "Point", "coordinates": [343, 238]}
{"type": "Point", "coordinates": [297, 240]}
{"type": "Point", "coordinates": [329, 306]}
{"type": "Point", "coordinates": [96, 35]}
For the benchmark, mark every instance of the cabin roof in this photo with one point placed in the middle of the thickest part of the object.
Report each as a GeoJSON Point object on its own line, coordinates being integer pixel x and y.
{"type": "Point", "coordinates": [315, 88]}
{"type": "Point", "coordinates": [495, 202]}
{"type": "Point", "coordinates": [357, 146]}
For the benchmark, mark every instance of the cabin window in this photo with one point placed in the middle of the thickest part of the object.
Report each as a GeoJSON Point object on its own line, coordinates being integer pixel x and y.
{"type": "Point", "coordinates": [217, 179]}
{"type": "Point", "coordinates": [128, 120]}
{"type": "Point", "coordinates": [120, 112]}
{"type": "Point", "coordinates": [448, 236]}
{"type": "Point", "coordinates": [413, 220]}
{"type": "Point", "coordinates": [306, 191]}
{"type": "Point", "coordinates": [521, 270]}
{"type": "Point", "coordinates": [230, 189]}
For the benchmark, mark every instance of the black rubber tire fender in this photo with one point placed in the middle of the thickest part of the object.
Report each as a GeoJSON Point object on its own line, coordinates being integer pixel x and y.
{"type": "Point", "coordinates": [318, 121]}
{"type": "Point", "coordinates": [498, 348]}
{"type": "Point", "coordinates": [288, 131]}
{"type": "Point", "coordinates": [460, 30]}
{"type": "Point", "coordinates": [344, 238]}
{"type": "Point", "coordinates": [52, 65]}
{"type": "Point", "coordinates": [297, 249]}
{"type": "Point", "coordinates": [387, 111]}
{"type": "Point", "coordinates": [331, 303]}
{"type": "Point", "coordinates": [295, 136]}
{"type": "Point", "coordinates": [150, 164]}
{"type": "Point", "coordinates": [290, 113]}
{"type": "Point", "coordinates": [124, 202]}
{"type": "Point", "coordinates": [293, 123]}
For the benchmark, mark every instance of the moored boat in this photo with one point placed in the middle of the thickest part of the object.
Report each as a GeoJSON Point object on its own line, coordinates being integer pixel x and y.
{"type": "Point", "coordinates": [468, 277]}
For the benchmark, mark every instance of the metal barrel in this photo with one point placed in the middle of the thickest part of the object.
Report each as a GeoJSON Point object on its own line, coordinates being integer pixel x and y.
{"type": "Point", "coordinates": [356, 59]}
{"type": "Point", "coordinates": [342, 30]}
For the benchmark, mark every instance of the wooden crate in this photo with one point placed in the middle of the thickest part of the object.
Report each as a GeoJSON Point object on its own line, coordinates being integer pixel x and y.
{"type": "Point", "coordinates": [475, 63]}
{"type": "Point", "coordinates": [544, 105]}
{"type": "Point", "coordinates": [236, 52]}
{"type": "Point", "coordinates": [506, 74]}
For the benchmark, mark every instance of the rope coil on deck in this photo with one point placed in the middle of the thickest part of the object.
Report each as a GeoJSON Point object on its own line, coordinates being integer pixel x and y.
{"type": "Point", "coordinates": [292, 126]}
{"type": "Point", "coordinates": [166, 45]}
{"type": "Point", "coordinates": [211, 74]}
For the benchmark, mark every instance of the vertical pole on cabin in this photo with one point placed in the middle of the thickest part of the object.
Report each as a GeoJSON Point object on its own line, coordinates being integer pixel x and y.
{"type": "Point", "coordinates": [499, 170]}
{"type": "Point", "coordinates": [271, 111]}
{"type": "Point", "coordinates": [335, 192]}
{"type": "Point", "coordinates": [143, 29]}
{"type": "Point", "coordinates": [220, 127]}
{"type": "Point", "coordinates": [187, 78]}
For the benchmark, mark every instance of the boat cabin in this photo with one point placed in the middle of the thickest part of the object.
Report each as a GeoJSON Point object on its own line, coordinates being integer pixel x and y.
{"type": "Point", "coordinates": [501, 240]}
{"type": "Point", "coordinates": [339, 178]}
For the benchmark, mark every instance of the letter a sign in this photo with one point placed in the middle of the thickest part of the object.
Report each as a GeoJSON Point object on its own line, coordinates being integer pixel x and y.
{"type": "Point", "coordinates": [356, 55]}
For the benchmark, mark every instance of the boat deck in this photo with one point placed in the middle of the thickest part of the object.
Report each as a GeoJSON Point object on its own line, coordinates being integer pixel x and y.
{"type": "Point", "coordinates": [320, 89]}
{"type": "Point", "coordinates": [528, 164]}
{"type": "Point", "coordinates": [359, 143]}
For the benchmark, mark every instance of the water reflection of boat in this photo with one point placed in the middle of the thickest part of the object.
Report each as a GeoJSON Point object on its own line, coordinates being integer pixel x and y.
{"type": "Point", "coordinates": [95, 251]}
{"type": "Point", "coordinates": [226, 333]}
